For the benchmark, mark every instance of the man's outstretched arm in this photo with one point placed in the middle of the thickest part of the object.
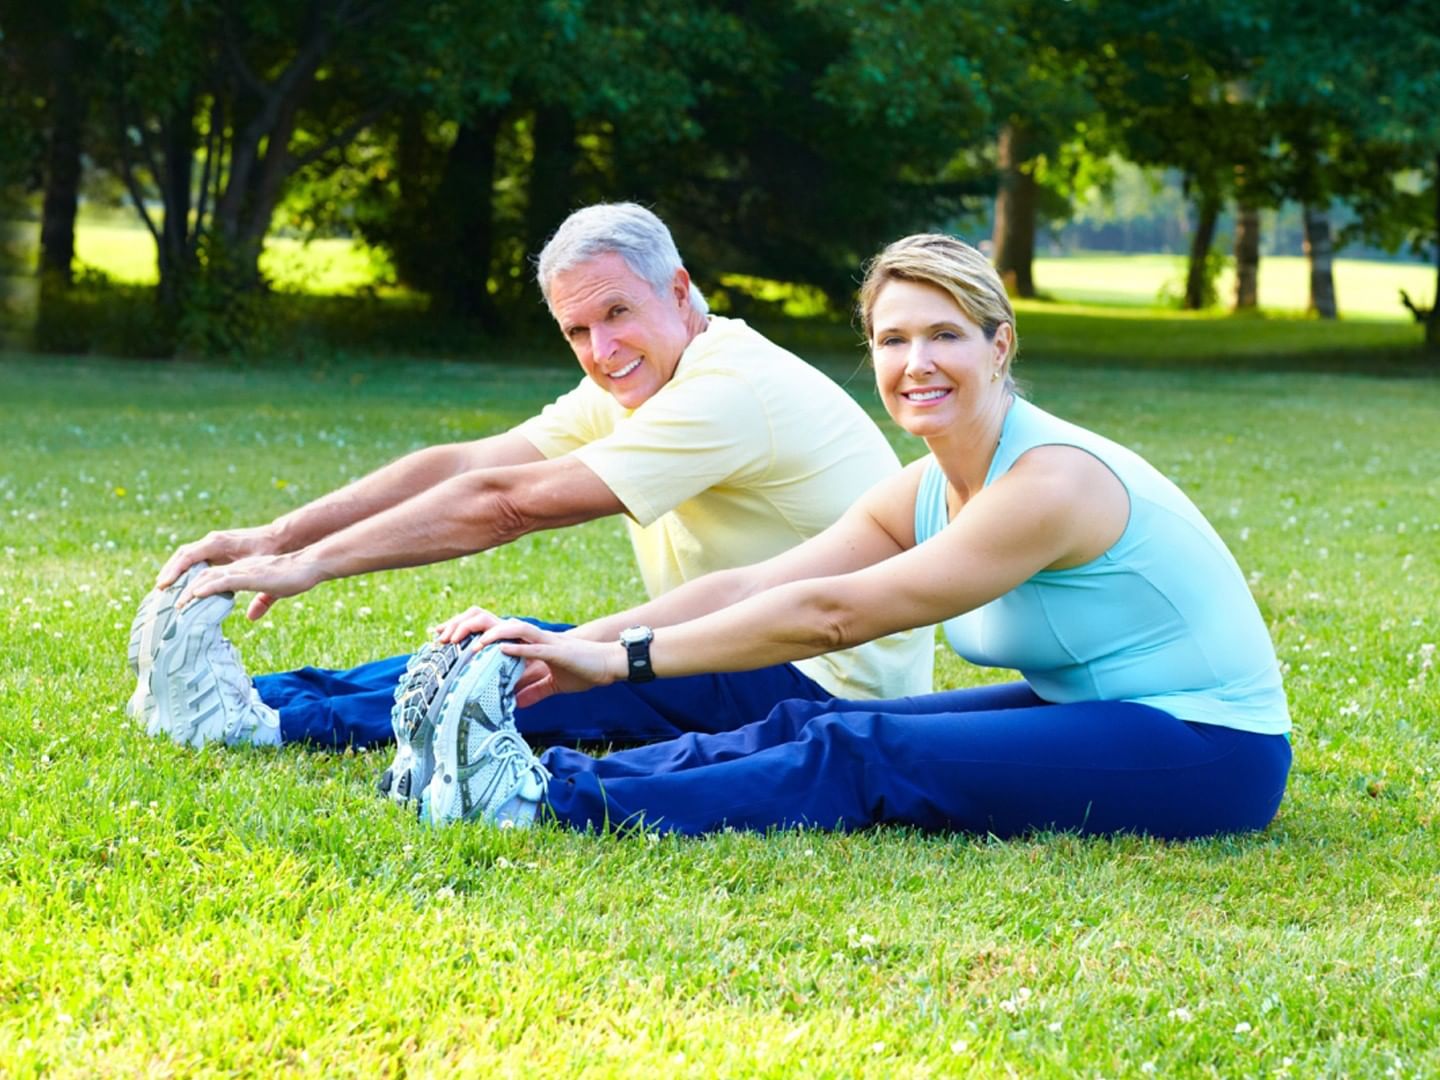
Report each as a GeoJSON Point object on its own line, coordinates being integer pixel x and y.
{"type": "Point", "coordinates": [370, 495]}
{"type": "Point", "coordinates": [476, 511]}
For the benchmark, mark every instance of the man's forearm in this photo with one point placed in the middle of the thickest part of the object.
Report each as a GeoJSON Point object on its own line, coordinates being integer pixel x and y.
{"type": "Point", "coordinates": [390, 486]}
{"type": "Point", "coordinates": [478, 510]}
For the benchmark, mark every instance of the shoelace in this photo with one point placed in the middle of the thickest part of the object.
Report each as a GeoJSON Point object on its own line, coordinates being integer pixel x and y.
{"type": "Point", "coordinates": [510, 751]}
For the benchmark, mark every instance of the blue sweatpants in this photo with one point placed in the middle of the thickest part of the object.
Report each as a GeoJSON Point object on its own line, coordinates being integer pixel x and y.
{"type": "Point", "coordinates": [352, 707]}
{"type": "Point", "coordinates": [989, 760]}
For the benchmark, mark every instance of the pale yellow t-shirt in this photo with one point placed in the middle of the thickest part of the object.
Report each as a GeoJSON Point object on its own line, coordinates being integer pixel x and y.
{"type": "Point", "coordinates": [745, 452]}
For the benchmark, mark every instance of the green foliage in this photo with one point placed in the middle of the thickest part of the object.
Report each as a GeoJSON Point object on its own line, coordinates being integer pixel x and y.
{"type": "Point", "coordinates": [99, 314]}
{"type": "Point", "coordinates": [223, 309]}
{"type": "Point", "coordinates": [1217, 262]}
{"type": "Point", "coordinates": [239, 912]}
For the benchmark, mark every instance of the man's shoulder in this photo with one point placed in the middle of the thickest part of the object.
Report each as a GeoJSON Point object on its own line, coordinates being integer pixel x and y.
{"type": "Point", "coordinates": [730, 347]}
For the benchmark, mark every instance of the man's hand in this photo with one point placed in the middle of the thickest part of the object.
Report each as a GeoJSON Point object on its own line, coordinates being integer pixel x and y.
{"type": "Point", "coordinates": [557, 663]}
{"type": "Point", "coordinates": [218, 548]}
{"type": "Point", "coordinates": [268, 576]}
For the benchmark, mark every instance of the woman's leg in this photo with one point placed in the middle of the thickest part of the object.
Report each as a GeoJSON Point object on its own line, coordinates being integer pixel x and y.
{"type": "Point", "coordinates": [1094, 767]}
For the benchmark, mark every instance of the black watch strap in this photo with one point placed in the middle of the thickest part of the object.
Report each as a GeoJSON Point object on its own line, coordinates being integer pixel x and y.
{"type": "Point", "coordinates": [636, 640]}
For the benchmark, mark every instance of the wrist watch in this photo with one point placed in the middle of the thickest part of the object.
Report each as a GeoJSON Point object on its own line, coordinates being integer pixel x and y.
{"type": "Point", "coordinates": [636, 640]}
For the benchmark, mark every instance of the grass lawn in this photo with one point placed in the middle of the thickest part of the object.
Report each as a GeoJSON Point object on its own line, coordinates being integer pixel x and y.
{"type": "Point", "coordinates": [173, 913]}
{"type": "Point", "coordinates": [1364, 289]}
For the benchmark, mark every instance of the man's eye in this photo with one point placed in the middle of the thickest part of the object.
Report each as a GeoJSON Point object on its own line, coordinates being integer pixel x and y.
{"type": "Point", "coordinates": [617, 311]}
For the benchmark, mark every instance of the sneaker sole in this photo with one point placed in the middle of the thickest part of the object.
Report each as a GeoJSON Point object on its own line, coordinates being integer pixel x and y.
{"type": "Point", "coordinates": [152, 621]}
{"type": "Point", "coordinates": [450, 783]}
{"type": "Point", "coordinates": [418, 697]}
{"type": "Point", "coordinates": [189, 637]}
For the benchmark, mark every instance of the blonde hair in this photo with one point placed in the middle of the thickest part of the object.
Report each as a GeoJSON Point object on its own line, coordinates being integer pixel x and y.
{"type": "Point", "coordinates": [954, 267]}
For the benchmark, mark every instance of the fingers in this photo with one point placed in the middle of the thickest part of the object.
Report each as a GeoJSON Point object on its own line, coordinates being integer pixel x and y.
{"type": "Point", "coordinates": [259, 605]}
{"type": "Point", "coordinates": [473, 620]}
{"type": "Point", "coordinates": [535, 692]}
{"type": "Point", "coordinates": [184, 558]}
{"type": "Point", "coordinates": [206, 583]}
{"type": "Point", "coordinates": [512, 630]}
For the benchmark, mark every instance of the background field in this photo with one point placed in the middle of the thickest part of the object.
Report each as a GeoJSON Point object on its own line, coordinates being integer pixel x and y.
{"type": "Point", "coordinates": [175, 913]}
{"type": "Point", "coordinates": [1367, 290]}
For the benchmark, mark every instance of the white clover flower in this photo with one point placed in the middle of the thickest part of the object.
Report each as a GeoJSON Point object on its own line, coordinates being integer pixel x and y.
{"type": "Point", "coordinates": [1243, 1028]}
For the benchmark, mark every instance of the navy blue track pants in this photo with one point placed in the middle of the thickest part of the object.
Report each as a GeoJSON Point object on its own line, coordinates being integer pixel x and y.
{"type": "Point", "coordinates": [995, 760]}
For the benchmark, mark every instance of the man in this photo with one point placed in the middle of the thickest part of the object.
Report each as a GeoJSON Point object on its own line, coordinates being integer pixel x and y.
{"type": "Point", "coordinates": [719, 447]}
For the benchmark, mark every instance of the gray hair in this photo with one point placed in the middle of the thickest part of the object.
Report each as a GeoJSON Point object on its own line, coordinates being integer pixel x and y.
{"type": "Point", "coordinates": [625, 229]}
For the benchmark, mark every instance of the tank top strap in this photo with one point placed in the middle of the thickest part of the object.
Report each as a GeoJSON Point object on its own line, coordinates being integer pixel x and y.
{"type": "Point", "coordinates": [931, 511]}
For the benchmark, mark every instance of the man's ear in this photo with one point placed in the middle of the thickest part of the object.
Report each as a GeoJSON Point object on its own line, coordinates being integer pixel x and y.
{"type": "Point", "coordinates": [680, 287]}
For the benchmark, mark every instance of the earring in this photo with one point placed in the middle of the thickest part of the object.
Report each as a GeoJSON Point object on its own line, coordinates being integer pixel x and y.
{"type": "Point", "coordinates": [995, 375]}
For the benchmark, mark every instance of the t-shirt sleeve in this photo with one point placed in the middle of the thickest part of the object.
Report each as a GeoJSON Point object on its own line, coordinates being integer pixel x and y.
{"type": "Point", "coordinates": [691, 436]}
{"type": "Point", "coordinates": [567, 423]}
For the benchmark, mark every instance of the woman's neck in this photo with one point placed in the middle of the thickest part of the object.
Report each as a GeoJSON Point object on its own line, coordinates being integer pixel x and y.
{"type": "Point", "coordinates": [965, 453]}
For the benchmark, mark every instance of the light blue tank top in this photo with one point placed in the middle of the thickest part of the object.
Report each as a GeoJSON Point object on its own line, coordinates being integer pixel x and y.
{"type": "Point", "coordinates": [1163, 618]}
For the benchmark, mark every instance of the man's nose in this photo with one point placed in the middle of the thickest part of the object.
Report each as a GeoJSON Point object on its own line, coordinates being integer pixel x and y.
{"type": "Point", "coordinates": [602, 343]}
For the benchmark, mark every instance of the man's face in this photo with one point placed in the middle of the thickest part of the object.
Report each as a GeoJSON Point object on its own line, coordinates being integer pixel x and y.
{"type": "Point", "coordinates": [627, 338]}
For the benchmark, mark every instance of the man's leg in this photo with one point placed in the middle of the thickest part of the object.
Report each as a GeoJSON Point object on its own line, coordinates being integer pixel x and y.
{"type": "Point", "coordinates": [340, 708]}
{"type": "Point", "coordinates": [1006, 768]}
{"type": "Point", "coordinates": [335, 708]}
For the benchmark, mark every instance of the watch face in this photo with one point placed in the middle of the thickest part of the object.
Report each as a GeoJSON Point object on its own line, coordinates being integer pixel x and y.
{"type": "Point", "coordinates": [633, 635]}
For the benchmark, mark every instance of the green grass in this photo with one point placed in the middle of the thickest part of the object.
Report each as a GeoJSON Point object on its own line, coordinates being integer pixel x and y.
{"type": "Point", "coordinates": [173, 913]}
{"type": "Point", "coordinates": [1366, 289]}
{"type": "Point", "coordinates": [1363, 288]}
{"type": "Point", "coordinates": [126, 253]}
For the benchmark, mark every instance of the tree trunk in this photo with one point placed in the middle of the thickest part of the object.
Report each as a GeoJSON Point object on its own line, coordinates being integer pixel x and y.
{"type": "Point", "coordinates": [552, 175]}
{"type": "Point", "coordinates": [177, 143]}
{"type": "Point", "coordinates": [1247, 256]}
{"type": "Point", "coordinates": [1432, 320]}
{"type": "Point", "coordinates": [1015, 205]}
{"type": "Point", "coordinates": [465, 200]}
{"type": "Point", "coordinates": [62, 173]}
{"type": "Point", "coordinates": [1321, 254]}
{"type": "Point", "coordinates": [1197, 278]}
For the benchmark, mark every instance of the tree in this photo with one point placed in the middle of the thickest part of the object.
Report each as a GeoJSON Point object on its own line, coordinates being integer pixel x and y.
{"type": "Point", "coordinates": [219, 104]}
{"type": "Point", "coordinates": [1171, 81]}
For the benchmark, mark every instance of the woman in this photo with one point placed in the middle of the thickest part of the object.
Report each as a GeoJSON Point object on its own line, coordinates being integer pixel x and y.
{"type": "Point", "coordinates": [1151, 699]}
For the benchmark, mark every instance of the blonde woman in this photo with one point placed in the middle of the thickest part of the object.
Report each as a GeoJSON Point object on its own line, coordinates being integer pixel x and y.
{"type": "Point", "coordinates": [1151, 700]}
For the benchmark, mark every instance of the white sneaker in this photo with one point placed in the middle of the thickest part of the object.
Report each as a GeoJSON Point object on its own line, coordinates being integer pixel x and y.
{"type": "Point", "coordinates": [416, 713]}
{"type": "Point", "coordinates": [483, 768]}
{"type": "Point", "coordinates": [157, 612]}
{"type": "Point", "coordinates": [200, 689]}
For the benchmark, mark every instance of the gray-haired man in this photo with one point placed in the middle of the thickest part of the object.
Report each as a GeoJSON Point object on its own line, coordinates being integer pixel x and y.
{"type": "Point", "coordinates": [719, 447]}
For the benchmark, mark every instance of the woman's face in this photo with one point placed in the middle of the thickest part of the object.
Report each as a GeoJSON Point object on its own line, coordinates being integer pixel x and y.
{"type": "Point", "coordinates": [933, 366]}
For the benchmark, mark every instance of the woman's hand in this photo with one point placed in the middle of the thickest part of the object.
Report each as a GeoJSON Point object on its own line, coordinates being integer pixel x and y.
{"type": "Point", "coordinates": [473, 620]}
{"type": "Point", "coordinates": [556, 663]}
